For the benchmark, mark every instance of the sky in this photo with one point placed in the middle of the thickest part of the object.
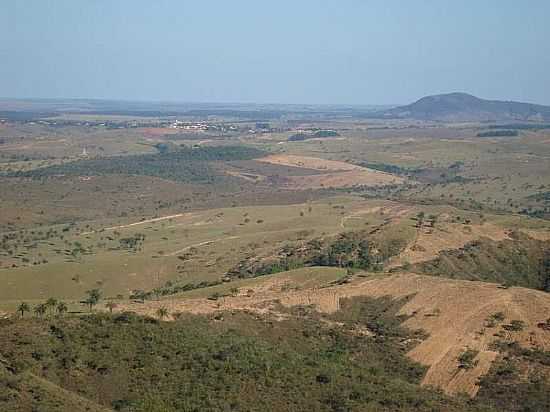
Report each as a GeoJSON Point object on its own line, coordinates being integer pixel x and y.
{"type": "Point", "coordinates": [275, 51]}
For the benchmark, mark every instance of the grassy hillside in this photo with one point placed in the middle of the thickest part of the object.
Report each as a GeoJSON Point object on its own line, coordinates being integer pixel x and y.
{"type": "Point", "coordinates": [234, 360]}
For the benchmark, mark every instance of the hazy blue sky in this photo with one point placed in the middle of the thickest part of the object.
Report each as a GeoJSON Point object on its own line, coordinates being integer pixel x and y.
{"type": "Point", "coordinates": [279, 51]}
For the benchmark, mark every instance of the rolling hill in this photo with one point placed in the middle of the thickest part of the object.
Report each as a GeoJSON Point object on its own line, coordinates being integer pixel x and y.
{"type": "Point", "coordinates": [465, 107]}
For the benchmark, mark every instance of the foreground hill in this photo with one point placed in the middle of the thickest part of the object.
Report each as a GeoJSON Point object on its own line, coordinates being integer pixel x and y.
{"type": "Point", "coordinates": [458, 315]}
{"type": "Point", "coordinates": [465, 107]}
{"type": "Point", "coordinates": [290, 342]}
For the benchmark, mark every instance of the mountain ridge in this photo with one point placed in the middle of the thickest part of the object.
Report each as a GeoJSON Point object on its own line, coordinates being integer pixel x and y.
{"type": "Point", "coordinates": [459, 106]}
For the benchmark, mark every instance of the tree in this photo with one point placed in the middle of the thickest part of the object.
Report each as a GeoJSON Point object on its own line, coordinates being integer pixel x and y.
{"type": "Point", "coordinates": [23, 307]}
{"type": "Point", "coordinates": [545, 271]}
{"type": "Point", "coordinates": [420, 219]}
{"type": "Point", "coordinates": [111, 306]}
{"type": "Point", "coordinates": [61, 308]}
{"type": "Point", "coordinates": [162, 312]}
{"type": "Point", "coordinates": [40, 309]}
{"type": "Point", "coordinates": [157, 292]}
{"type": "Point", "coordinates": [51, 303]}
{"type": "Point", "coordinates": [94, 296]}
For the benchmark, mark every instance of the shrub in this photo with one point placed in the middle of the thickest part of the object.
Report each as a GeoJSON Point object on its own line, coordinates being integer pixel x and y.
{"type": "Point", "coordinates": [466, 360]}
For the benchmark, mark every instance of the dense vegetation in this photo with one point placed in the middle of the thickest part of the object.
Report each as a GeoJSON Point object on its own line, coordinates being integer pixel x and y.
{"type": "Point", "coordinates": [522, 261]}
{"type": "Point", "coordinates": [229, 362]}
{"type": "Point", "coordinates": [185, 164]}
{"type": "Point", "coordinates": [499, 133]}
{"type": "Point", "coordinates": [326, 133]}
{"type": "Point", "coordinates": [516, 381]}
{"type": "Point", "coordinates": [297, 137]}
{"type": "Point", "coordinates": [388, 168]}
{"type": "Point", "coordinates": [349, 250]}
{"type": "Point", "coordinates": [521, 126]}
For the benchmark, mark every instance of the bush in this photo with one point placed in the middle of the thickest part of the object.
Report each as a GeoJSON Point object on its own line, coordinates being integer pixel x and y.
{"type": "Point", "coordinates": [515, 326]}
{"type": "Point", "coordinates": [466, 359]}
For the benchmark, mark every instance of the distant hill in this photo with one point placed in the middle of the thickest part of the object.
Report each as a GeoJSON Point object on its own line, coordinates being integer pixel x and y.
{"type": "Point", "coordinates": [465, 107]}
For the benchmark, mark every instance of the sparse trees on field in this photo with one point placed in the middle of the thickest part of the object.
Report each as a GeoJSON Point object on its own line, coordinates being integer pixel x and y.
{"type": "Point", "coordinates": [23, 307]}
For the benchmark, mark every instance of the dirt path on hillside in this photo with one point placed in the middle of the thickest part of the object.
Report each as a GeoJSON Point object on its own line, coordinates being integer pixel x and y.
{"type": "Point", "coordinates": [141, 222]}
{"type": "Point", "coordinates": [206, 242]}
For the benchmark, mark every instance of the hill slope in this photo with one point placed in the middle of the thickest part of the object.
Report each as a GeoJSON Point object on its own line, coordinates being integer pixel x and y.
{"type": "Point", "coordinates": [465, 107]}
{"type": "Point", "coordinates": [454, 313]}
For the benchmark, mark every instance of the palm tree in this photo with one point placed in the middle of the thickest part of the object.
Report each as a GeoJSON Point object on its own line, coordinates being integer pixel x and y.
{"type": "Point", "coordinates": [157, 292]}
{"type": "Point", "coordinates": [40, 309]}
{"type": "Point", "coordinates": [162, 312]}
{"type": "Point", "coordinates": [23, 307]}
{"type": "Point", "coordinates": [420, 219]}
{"type": "Point", "coordinates": [51, 303]}
{"type": "Point", "coordinates": [111, 306]}
{"type": "Point", "coordinates": [62, 308]}
{"type": "Point", "coordinates": [94, 295]}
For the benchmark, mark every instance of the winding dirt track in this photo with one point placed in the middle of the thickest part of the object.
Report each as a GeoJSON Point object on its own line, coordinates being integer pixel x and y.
{"type": "Point", "coordinates": [207, 242]}
{"type": "Point", "coordinates": [141, 222]}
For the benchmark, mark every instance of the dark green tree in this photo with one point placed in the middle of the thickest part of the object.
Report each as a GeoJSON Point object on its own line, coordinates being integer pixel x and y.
{"type": "Point", "coordinates": [51, 304]}
{"type": "Point", "coordinates": [162, 312]}
{"type": "Point", "coordinates": [94, 296]}
{"type": "Point", "coordinates": [23, 307]}
{"type": "Point", "coordinates": [61, 308]}
{"type": "Point", "coordinates": [40, 309]}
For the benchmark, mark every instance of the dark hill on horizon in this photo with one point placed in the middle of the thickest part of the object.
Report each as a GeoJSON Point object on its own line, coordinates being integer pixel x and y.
{"type": "Point", "coordinates": [465, 107]}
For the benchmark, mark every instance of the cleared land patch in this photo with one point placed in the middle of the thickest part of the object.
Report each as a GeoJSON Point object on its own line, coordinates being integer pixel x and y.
{"type": "Point", "coordinates": [307, 162]}
{"type": "Point", "coordinates": [335, 173]}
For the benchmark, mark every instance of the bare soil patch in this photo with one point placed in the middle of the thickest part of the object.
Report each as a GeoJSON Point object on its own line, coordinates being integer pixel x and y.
{"type": "Point", "coordinates": [351, 178]}
{"type": "Point", "coordinates": [309, 162]}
